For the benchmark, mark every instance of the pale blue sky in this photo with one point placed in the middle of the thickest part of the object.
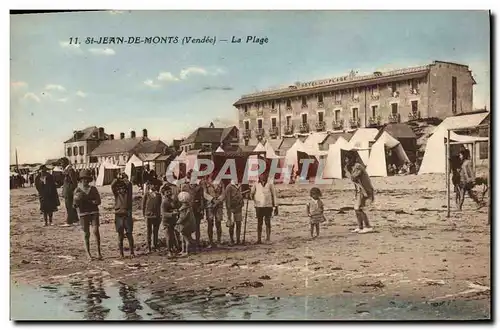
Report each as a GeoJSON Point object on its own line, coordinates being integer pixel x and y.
{"type": "Point", "coordinates": [56, 89]}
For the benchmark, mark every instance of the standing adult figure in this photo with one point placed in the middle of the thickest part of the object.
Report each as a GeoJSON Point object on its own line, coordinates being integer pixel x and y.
{"type": "Point", "coordinates": [47, 194]}
{"type": "Point", "coordinates": [263, 194]}
{"type": "Point", "coordinates": [467, 179]}
{"type": "Point", "coordinates": [70, 183]}
{"type": "Point", "coordinates": [213, 193]}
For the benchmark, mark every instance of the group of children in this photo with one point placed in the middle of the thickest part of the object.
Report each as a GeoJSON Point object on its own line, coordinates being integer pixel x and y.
{"type": "Point", "coordinates": [180, 209]}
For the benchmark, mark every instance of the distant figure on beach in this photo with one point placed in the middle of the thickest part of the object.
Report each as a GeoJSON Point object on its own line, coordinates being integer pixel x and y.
{"type": "Point", "coordinates": [234, 207]}
{"type": "Point", "coordinates": [70, 183]}
{"type": "Point", "coordinates": [47, 193]}
{"type": "Point", "coordinates": [213, 193]}
{"type": "Point", "coordinates": [467, 179]}
{"type": "Point", "coordinates": [455, 167]}
{"type": "Point", "coordinates": [364, 191]}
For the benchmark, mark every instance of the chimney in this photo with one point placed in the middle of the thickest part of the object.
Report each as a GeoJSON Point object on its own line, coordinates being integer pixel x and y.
{"type": "Point", "coordinates": [100, 136]}
{"type": "Point", "coordinates": [111, 136]}
{"type": "Point", "coordinates": [122, 136]}
{"type": "Point", "coordinates": [132, 134]}
{"type": "Point", "coordinates": [145, 133]}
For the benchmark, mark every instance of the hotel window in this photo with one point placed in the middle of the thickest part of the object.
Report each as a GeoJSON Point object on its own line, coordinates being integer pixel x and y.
{"type": "Point", "coordinates": [304, 118]}
{"type": "Point", "coordinates": [273, 122]}
{"type": "Point", "coordinates": [338, 96]}
{"type": "Point", "coordinates": [320, 117]}
{"type": "Point", "coordinates": [75, 151]}
{"type": "Point", "coordinates": [394, 109]}
{"type": "Point", "coordinates": [320, 98]}
{"type": "Point", "coordinates": [288, 120]}
{"type": "Point", "coordinates": [245, 108]}
{"type": "Point", "coordinates": [247, 125]}
{"type": "Point", "coordinates": [354, 114]}
{"type": "Point", "coordinates": [394, 87]}
{"type": "Point", "coordinates": [454, 94]}
{"type": "Point", "coordinates": [259, 123]}
{"type": "Point", "coordinates": [374, 90]}
{"type": "Point", "coordinates": [374, 111]}
{"type": "Point", "coordinates": [82, 149]}
{"type": "Point", "coordinates": [288, 103]}
{"type": "Point", "coordinates": [68, 152]}
{"type": "Point", "coordinates": [414, 107]}
{"type": "Point", "coordinates": [304, 101]}
{"type": "Point", "coordinates": [273, 105]}
{"type": "Point", "coordinates": [413, 84]}
{"type": "Point", "coordinates": [337, 116]}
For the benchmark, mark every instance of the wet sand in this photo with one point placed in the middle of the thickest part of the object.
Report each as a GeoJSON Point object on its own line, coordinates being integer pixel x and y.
{"type": "Point", "coordinates": [414, 253]}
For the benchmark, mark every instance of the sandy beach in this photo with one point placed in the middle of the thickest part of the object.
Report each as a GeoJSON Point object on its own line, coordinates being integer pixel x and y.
{"type": "Point", "coordinates": [416, 252]}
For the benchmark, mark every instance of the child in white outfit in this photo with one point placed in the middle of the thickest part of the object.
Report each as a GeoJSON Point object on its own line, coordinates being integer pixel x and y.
{"type": "Point", "coordinates": [315, 211]}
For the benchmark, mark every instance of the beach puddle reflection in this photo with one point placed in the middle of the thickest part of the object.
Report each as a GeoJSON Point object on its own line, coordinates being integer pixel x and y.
{"type": "Point", "coordinates": [96, 299]}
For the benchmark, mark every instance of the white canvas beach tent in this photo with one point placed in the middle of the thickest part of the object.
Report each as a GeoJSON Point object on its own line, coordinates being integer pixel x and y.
{"type": "Point", "coordinates": [133, 162]}
{"type": "Point", "coordinates": [176, 163]}
{"type": "Point", "coordinates": [435, 151]}
{"type": "Point", "coordinates": [361, 141]}
{"type": "Point", "coordinates": [376, 165]}
{"type": "Point", "coordinates": [252, 165]}
{"type": "Point", "coordinates": [219, 149]}
{"type": "Point", "coordinates": [311, 144]}
{"type": "Point", "coordinates": [291, 157]}
{"type": "Point", "coordinates": [107, 172]}
{"type": "Point", "coordinates": [333, 163]}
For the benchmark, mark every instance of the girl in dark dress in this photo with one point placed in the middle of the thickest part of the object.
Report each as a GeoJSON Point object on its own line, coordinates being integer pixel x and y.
{"type": "Point", "coordinates": [47, 192]}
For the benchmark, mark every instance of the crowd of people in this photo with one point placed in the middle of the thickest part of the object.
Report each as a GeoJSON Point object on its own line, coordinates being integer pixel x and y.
{"type": "Point", "coordinates": [180, 208]}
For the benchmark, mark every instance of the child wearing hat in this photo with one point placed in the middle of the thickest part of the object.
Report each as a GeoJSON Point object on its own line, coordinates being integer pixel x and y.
{"type": "Point", "coordinates": [151, 210]}
{"type": "Point", "coordinates": [87, 200]}
{"type": "Point", "coordinates": [124, 224]}
{"type": "Point", "coordinates": [186, 224]}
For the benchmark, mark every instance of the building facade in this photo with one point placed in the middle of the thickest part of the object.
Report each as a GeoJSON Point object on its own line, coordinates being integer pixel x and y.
{"type": "Point", "coordinates": [437, 90]}
{"type": "Point", "coordinates": [79, 147]}
{"type": "Point", "coordinates": [210, 138]}
{"type": "Point", "coordinates": [118, 151]}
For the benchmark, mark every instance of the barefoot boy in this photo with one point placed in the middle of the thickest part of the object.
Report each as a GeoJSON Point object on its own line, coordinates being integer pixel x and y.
{"type": "Point", "coordinates": [87, 200]}
{"type": "Point", "coordinates": [122, 190]}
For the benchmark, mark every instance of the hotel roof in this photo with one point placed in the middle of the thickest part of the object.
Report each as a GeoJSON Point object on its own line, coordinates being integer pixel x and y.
{"type": "Point", "coordinates": [337, 83]}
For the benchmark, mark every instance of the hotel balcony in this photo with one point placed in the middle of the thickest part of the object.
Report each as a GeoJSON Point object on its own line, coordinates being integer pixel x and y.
{"type": "Point", "coordinates": [414, 115]}
{"type": "Point", "coordinates": [415, 91]}
{"type": "Point", "coordinates": [247, 113]}
{"type": "Point", "coordinates": [395, 94]}
{"type": "Point", "coordinates": [321, 105]}
{"type": "Point", "coordinates": [374, 121]}
{"type": "Point", "coordinates": [247, 134]}
{"type": "Point", "coordinates": [355, 98]}
{"type": "Point", "coordinates": [273, 110]}
{"type": "Point", "coordinates": [260, 112]}
{"type": "Point", "coordinates": [304, 128]}
{"type": "Point", "coordinates": [273, 132]}
{"type": "Point", "coordinates": [394, 119]}
{"type": "Point", "coordinates": [304, 105]}
{"type": "Point", "coordinates": [320, 126]}
{"type": "Point", "coordinates": [338, 125]}
{"type": "Point", "coordinates": [338, 102]}
{"type": "Point", "coordinates": [375, 97]}
{"type": "Point", "coordinates": [354, 122]}
{"type": "Point", "coordinates": [289, 129]}
{"type": "Point", "coordinates": [289, 108]}
{"type": "Point", "coordinates": [259, 132]}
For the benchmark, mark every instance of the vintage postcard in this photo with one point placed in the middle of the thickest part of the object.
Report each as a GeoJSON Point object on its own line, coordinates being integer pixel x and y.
{"type": "Point", "coordinates": [250, 165]}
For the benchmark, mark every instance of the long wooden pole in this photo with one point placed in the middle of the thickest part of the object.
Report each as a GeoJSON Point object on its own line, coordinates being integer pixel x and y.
{"type": "Point", "coordinates": [448, 173]}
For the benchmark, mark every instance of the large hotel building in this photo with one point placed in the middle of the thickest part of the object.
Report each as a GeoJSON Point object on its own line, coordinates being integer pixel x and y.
{"type": "Point", "coordinates": [437, 90]}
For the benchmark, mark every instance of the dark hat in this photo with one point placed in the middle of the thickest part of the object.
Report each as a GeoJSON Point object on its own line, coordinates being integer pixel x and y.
{"type": "Point", "coordinates": [85, 174]}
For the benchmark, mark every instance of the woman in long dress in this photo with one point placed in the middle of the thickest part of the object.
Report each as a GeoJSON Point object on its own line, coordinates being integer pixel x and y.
{"type": "Point", "coordinates": [47, 193]}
